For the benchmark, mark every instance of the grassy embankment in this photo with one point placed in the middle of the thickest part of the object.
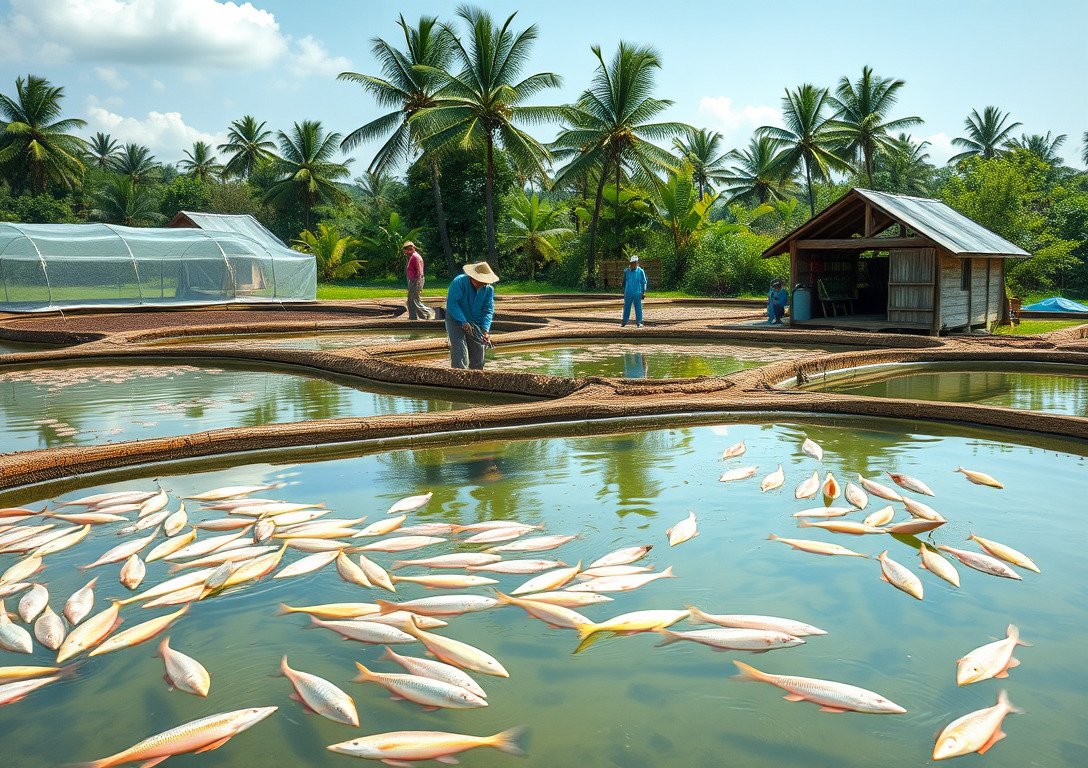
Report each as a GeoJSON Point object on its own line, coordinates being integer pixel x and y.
{"type": "Point", "coordinates": [394, 289]}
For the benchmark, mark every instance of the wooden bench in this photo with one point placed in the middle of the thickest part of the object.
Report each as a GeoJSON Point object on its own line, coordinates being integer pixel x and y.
{"type": "Point", "coordinates": [836, 295]}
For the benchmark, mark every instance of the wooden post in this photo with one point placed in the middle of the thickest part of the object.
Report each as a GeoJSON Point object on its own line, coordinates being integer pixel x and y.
{"type": "Point", "coordinates": [988, 262]}
{"type": "Point", "coordinates": [793, 278]}
{"type": "Point", "coordinates": [935, 326]}
{"type": "Point", "coordinates": [868, 220]}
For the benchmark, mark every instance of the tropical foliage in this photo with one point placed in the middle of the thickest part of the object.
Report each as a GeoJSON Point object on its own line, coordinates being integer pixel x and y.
{"type": "Point", "coordinates": [533, 230]}
{"type": "Point", "coordinates": [337, 256]}
{"type": "Point", "coordinates": [37, 147]}
{"type": "Point", "coordinates": [308, 171]}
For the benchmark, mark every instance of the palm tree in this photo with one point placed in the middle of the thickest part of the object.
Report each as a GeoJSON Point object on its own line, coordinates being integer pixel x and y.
{"type": "Point", "coordinates": [375, 187]}
{"type": "Point", "coordinates": [136, 163]}
{"type": "Point", "coordinates": [337, 256]}
{"type": "Point", "coordinates": [102, 150]}
{"type": "Point", "coordinates": [986, 134]}
{"type": "Point", "coordinates": [861, 117]}
{"type": "Point", "coordinates": [309, 173]}
{"type": "Point", "coordinates": [249, 144]}
{"type": "Point", "coordinates": [36, 147]}
{"type": "Point", "coordinates": [533, 229]}
{"type": "Point", "coordinates": [808, 140]}
{"type": "Point", "coordinates": [683, 213]}
{"type": "Point", "coordinates": [754, 177]}
{"type": "Point", "coordinates": [701, 149]}
{"type": "Point", "coordinates": [1043, 146]}
{"type": "Point", "coordinates": [200, 163]}
{"type": "Point", "coordinates": [385, 245]}
{"type": "Point", "coordinates": [610, 130]}
{"type": "Point", "coordinates": [481, 105]}
{"type": "Point", "coordinates": [907, 167]}
{"type": "Point", "coordinates": [1084, 153]}
{"type": "Point", "coordinates": [123, 201]}
{"type": "Point", "coordinates": [410, 81]}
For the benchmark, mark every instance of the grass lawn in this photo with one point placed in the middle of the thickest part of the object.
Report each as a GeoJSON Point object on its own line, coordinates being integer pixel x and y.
{"type": "Point", "coordinates": [395, 289]}
{"type": "Point", "coordinates": [1028, 327]}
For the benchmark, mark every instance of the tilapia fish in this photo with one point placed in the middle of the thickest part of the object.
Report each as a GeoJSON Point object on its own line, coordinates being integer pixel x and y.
{"type": "Point", "coordinates": [831, 696]}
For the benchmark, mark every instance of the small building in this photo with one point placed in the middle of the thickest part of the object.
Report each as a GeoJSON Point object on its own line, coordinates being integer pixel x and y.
{"type": "Point", "coordinates": [878, 261]}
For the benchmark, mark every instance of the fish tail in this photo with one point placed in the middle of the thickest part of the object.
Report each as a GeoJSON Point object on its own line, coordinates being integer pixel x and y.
{"type": "Point", "coordinates": [1003, 699]}
{"type": "Point", "coordinates": [389, 655]}
{"type": "Point", "coordinates": [364, 674]}
{"type": "Point", "coordinates": [1014, 634]}
{"type": "Point", "coordinates": [504, 599]}
{"type": "Point", "coordinates": [315, 622]}
{"type": "Point", "coordinates": [68, 670]}
{"type": "Point", "coordinates": [667, 573]}
{"type": "Point", "coordinates": [384, 606]}
{"type": "Point", "coordinates": [772, 537]}
{"type": "Point", "coordinates": [697, 616]}
{"type": "Point", "coordinates": [748, 672]}
{"type": "Point", "coordinates": [667, 637]}
{"type": "Point", "coordinates": [283, 666]}
{"type": "Point", "coordinates": [507, 741]}
{"type": "Point", "coordinates": [802, 524]}
{"type": "Point", "coordinates": [397, 565]}
{"type": "Point", "coordinates": [164, 646]}
{"type": "Point", "coordinates": [586, 630]}
{"type": "Point", "coordinates": [285, 609]}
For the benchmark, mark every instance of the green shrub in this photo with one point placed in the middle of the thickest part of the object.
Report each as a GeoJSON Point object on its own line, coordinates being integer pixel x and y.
{"type": "Point", "coordinates": [729, 261]}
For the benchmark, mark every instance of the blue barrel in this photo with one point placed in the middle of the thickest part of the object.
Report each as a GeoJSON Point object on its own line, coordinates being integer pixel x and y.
{"type": "Point", "coordinates": [801, 308]}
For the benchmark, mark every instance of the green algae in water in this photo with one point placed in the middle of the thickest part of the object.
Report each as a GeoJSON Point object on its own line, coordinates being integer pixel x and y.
{"type": "Point", "coordinates": [1048, 389]}
{"type": "Point", "coordinates": [75, 405]}
{"type": "Point", "coordinates": [649, 359]}
{"type": "Point", "coordinates": [624, 702]}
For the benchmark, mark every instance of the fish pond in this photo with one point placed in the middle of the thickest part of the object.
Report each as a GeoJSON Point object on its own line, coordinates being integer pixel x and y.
{"type": "Point", "coordinates": [83, 404]}
{"type": "Point", "coordinates": [12, 347]}
{"type": "Point", "coordinates": [621, 701]}
{"type": "Point", "coordinates": [1024, 386]}
{"type": "Point", "coordinates": [645, 359]}
{"type": "Point", "coordinates": [322, 340]}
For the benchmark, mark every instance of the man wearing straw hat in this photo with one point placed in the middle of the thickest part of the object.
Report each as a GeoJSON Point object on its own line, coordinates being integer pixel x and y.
{"type": "Point", "coordinates": [470, 305]}
{"type": "Point", "coordinates": [414, 271]}
{"type": "Point", "coordinates": [634, 291]}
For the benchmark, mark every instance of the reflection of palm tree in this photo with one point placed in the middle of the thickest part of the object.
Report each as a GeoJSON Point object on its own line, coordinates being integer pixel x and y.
{"type": "Point", "coordinates": [627, 464]}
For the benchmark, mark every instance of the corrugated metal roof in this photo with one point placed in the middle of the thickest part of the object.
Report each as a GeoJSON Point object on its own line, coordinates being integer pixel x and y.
{"type": "Point", "coordinates": [243, 224]}
{"type": "Point", "coordinates": [942, 224]}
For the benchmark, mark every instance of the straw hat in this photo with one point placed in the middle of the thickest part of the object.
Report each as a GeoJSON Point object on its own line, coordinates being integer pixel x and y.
{"type": "Point", "coordinates": [633, 259]}
{"type": "Point", "coordinates": [481, 272]}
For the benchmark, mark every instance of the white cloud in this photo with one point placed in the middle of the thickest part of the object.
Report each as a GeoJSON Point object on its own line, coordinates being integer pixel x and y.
{"type": "Point", "coordinates": [111, 77]}
{"type": "Point", "coordinates": [197, 35]}
{"type": "Point", "coordinates": [158, 85]}
{"type": "Point", "coordinates": [309, 57]}
{"type": "Point", "coordinates": [940, 147]}
{"type": "Point", "coordinates": [736, 124]}
{"type": "Point", "coordinates": [165, 133]}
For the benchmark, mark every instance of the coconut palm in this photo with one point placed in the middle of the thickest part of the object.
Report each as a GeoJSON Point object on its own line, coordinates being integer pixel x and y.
{"type": "Point", "coordinates": [308, 172]}
{"type": "Point", "coordinates": [610, 132]}
{"type": "Point", "coordinates": [410, 79]}
{"type": "Point", "coordinates": [986, 134]}
{"type": "Point", "coordinates": [1084, 153]}
{"type": "Point", "coordinates": [808, 142]}
{"type": "Point", "coordinates": [1043, 146]}
{"type": "Point", "coordinates": [754, 177]}
{"type": "Point", "coordinates": [200, 163]}
{"type": "Point", "coordinates": [337, 256]}
{"type": "Point", "coordinates": [124, 201]}
{"type": "Point", "coordinates": [861, 117]}
{"type": "Point", "coordinates": [906, 166]}
{"type": "Point", "coordinates": [534, 230]}
{"type": "Point", "coordinates": [136, 163]}
{"type": "Point", "coordinates": [102, 150]}
{"type": "Point", "coordinates": [702, 150]}
{"type": "Point", "coordinates": [683, 213]}
{"type": "Point", "coordinates": [375, 187]}
{"type": "Point", "coordinates": [248, 143]}
{"type": "Point", "coordinates": [36, 147]}
{"type": "Point", "coordinates": [482, 104]}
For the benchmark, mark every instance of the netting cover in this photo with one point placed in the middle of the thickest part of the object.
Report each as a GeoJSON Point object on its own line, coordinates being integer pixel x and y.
{"type": "Point", "coordinates": [60, 266]}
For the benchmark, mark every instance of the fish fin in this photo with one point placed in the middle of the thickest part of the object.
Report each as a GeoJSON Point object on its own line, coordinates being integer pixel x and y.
{"type": "Point", "coordinates": [399, 763]}
{"type": "Point", "coordinates": [884, 578]}
{"type": "Point", "coordinates": [214, 745]}
{"type": "Point", "coordinates": [793, 696]}
{"type": "Point", "coordinates": [153, 762]}
{"type": "Point", "coordinates": [1013, 663]}
{"type": "Point", "coordinates": [668, 638]}
{"type": "Point", "coordinates": [507, 741]}
{"type": "Point", "coordinates": [835, 710]}
{"type": "Point", "coordinates": [997, 736]}
{"type": "Point", "coordinates": [427, 708]}
{"type": "Point", "coordinates": [1001, 674]}
{"type": "Point", "coordinates": [447, 759]}
{"type": "Point", "coordinates": [395, 697]}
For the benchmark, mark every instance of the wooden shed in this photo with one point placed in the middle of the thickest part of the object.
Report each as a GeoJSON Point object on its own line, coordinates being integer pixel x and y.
{"type": "Point", "coordinates": [878, 261]}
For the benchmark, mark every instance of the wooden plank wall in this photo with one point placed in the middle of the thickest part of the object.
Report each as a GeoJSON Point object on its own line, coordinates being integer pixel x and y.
{"type": "Point", "coordinates": [910, 285]}
{"type": "Point", "coordinates": [953, 301]}
{"type": "Point", "coordinates": [612, 273]}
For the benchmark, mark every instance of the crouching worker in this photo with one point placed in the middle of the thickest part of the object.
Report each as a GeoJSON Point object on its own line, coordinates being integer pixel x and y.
{"type": "Point", "coordinates": [634, 291]}
{"type": "Point", "coordinates": [777, 299]}
{"type": "Point", "coordinates": [470, 305]}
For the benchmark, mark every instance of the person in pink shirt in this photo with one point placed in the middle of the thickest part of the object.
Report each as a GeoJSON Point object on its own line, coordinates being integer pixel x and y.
{"type": "Point", "coordinates": [417, 310]}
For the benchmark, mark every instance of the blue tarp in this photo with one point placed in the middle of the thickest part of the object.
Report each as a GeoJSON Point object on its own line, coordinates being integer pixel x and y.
{"type": "Point", "coordinates": [1055, 304]}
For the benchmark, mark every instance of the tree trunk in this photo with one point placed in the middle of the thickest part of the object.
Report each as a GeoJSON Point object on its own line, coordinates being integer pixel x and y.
{"type": "Point", "coordinates": [811, 199]}
{"type": "Point", "coordinates": [591, 264]}
{"type": "Point", "coordinates": [616, 228]}
{"type": "Point", "coordinates": [443, 233]}
{"type": "Point", "coordinates": [489, 203]}
{"type": "Point", "coordinates": [867, 153]}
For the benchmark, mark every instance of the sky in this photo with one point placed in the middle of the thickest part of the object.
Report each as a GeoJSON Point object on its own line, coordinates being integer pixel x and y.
{"type": "Point", "coordinates": [166, 73]}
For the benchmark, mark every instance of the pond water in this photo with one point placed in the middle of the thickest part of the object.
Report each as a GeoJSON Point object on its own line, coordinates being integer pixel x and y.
{"type": "Point", "coordinates": [652, 359]}
{"type": "Point", "coordinates": [623, 701]}
{"type": "Point", "coordinates": [1050, 389]}
{"type": "Point", "coordinates": [311, 340]}
{"type": "Point", "coordinates": [10, 347]}
{"type": "Point", "coordinates": [70, 405]}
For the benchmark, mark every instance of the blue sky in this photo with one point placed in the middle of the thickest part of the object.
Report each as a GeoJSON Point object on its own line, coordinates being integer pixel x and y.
{"type": "Point", "coordinates": [168, 72]}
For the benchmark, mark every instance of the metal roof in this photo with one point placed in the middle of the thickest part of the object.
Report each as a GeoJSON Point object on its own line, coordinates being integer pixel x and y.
{"type": "Point", "coordinates": [242, 224]}
{"type": "Point", "coordinates": [942, 224]}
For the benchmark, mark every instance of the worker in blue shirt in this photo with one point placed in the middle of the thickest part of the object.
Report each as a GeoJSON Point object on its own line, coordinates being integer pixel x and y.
{"type": "Point", "coordinates": [634, 291]}
{"type": "Point", "coordinates": [777, 299]}
{"type": "Point", "coordinates": [470, 305]}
